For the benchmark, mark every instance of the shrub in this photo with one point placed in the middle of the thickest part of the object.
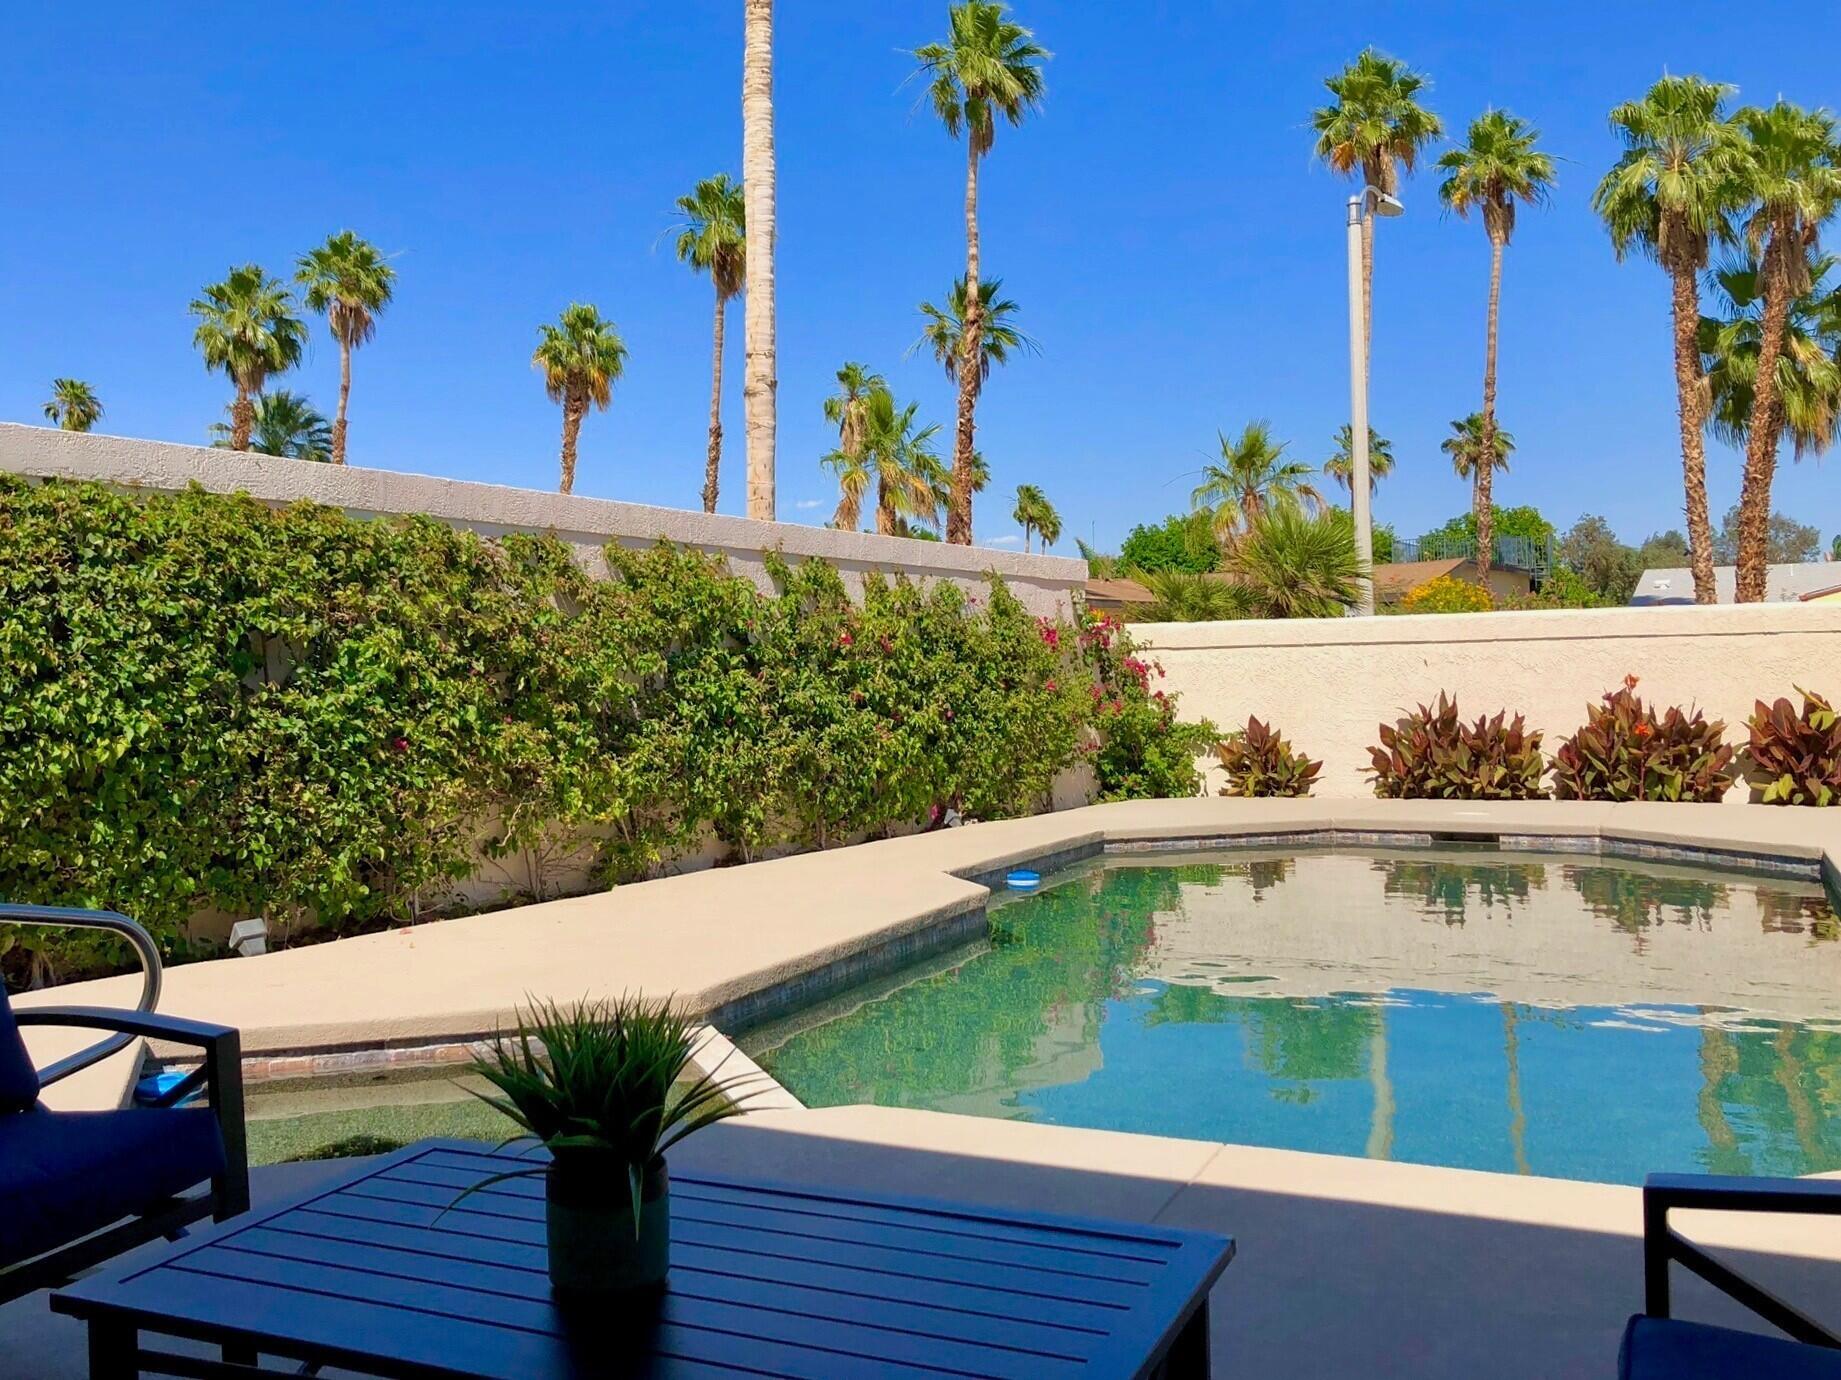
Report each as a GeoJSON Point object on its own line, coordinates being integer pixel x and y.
{"type": "Point", "coordinates": [1260, 763]}
{"type": "Point", "coordinates": [1431, 754]}
{"type": "Point", "coordinates": [1292, 565]}
{"type": "Point", "coordinates": [210, 705]}
{"type": "Point", "coordinates": [1564, 588]}
{"type": "Point", "coordinates": [1447, 594]}
{"type": "Point", "coordinates": [1625, 751]}
{"type": "Point", "coordinates": [1144, 750]}
{"type": "Point", "coordinates": [1796, 758]}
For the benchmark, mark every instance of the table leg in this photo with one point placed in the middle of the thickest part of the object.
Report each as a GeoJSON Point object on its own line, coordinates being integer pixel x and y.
{"type": "Point", "coordinates": [1188, 1358]}
{"type": "Point", "coordinates": [114, 1349]}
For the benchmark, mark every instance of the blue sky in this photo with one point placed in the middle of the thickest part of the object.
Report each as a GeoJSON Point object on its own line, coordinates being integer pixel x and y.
{"type": "Point", "coordinates": [1161, 224]}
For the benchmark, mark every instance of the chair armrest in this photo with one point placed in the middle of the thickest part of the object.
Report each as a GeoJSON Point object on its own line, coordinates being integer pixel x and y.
{"type": "Point", "coordinates": [1720, 1193]}
{"type": "Point", "coordinates": [152, 1025]}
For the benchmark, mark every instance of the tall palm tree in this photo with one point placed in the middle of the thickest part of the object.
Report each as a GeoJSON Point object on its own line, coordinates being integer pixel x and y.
{"type": "Point", "coordinates": [998, 336]}
{"type": "Point", "coordinates": [1341, 465]}
{"type": "Point", "coordinates": [898, 459]}
{"type": "Point", "coordinates": [845, 410]}
{"type": "Point", "coordinates": [942, 480]}
{"type": "Point", "coordinates": [714, 240]}
{"type": "Point", "coordinates": [989, 66]}
{"type": "Point", "coordinates": [1034, 513]}
{"type": "Point", "coordinates": [1252, 477]}
{"type": "Point", "coordinates": [1496, 167]}
{"type": "Point", "coordinates": [73, 405]}
{"type": "Point", "coordinates": [1808, 369]}
{"type": "Point", "coordinates": [1669, 196]}
{"type": "Point", "coordinates": [760, 353]}
{"type": "Point", "coordinates": [248, 330]}
{"type": "Point", "coordinates": [1376, 127]}
{"type": "Point", "coordinates": [1792, 171]}
{"type": "Point", "coordinates": [581, 357]}
{"type": "Point", "coordinates": [1465, 445]}
{"type": "Point", "coordinates": [348, 282]}
{"type": "Point", "coordinates": [284, 424]}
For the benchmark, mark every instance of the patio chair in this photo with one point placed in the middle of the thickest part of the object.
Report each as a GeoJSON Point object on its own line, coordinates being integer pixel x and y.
{"type": "Point", "coordinates": [1658, 1346]}
{"type": "Point", "coordinates": [77, 1188]}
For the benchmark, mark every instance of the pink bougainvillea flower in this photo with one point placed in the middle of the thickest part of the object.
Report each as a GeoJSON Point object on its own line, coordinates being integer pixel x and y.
{"type": "Point", "coordinates": [401, 744]}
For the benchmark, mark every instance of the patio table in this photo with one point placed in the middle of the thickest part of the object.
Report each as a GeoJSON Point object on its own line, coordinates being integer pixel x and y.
{"type": "Point", "coordinates": [368, 1273]}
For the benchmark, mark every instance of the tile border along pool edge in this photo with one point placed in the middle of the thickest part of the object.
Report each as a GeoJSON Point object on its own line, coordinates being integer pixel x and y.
{"type": "Point", "coordinates": [747, 943]}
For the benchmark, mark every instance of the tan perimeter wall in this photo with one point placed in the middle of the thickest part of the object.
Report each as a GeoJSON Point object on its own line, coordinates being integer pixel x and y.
{"type": "Point", "coordinates": [1046, 584]}
{"type": "Point", "coordinates": [1329, 683]}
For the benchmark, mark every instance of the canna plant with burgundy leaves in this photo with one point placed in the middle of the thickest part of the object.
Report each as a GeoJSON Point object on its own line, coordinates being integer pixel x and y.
{"type": "Point", "coordinates": [1432, 754]}
{"type": "Point", "coordinates": [1259, 763]}
{"type": "Point", "coordinates": [1795, 759]}
{"type": "Point", "coordinates": [1625, 750]}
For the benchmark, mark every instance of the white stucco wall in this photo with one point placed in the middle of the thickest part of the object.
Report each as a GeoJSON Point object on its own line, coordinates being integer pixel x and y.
{"type": "Point", "coordinates": [1329, 683]}
{"type": "Point", "coordinates": [1045, 584]}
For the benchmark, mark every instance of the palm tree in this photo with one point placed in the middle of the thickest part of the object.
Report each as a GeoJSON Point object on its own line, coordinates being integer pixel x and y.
{"type": "Point", "coordinates": [1669, 196]}
{"type": "Point", "coordinates": [845, 410]}
{"type": "Point", "coordinates": [1187, 597]}
{"type": "Point", "coordinates": [1036, 514]}
{"type": "Point", "coordinates": [1341, 465]}
{"type": "Point", "coordinates": [989, 66]}
{"type": "Point", "coordinates": [1496, 167]}
{"type": "Point", "coordinates": [581, 357]}
{"type": "Point", "coordinates": [942, 480]}
{"type": "Point", "coordinates": [1465, 445]}
{"type": "Point", "coordinates": [1376, 127]}
{"type": "Point", "coordinates": [284, 424]}
{"type": "Point", "coordinates": [713, 240]}
{"type": "Point", "coordinates": [998, 337]}
{"type": "Point", "coordinates": [1792, 171]}
{"type": "Point", "coordinates": [348, 282]}
{"type": "Point", "coordinates": [1252, 477]}
{"type": "Point", "coordinates": [760, 354]}
{"type": "Point", "coordinates": [247, 329]}
{"type": "Point", "coordinates": [1296, 565]}
{"type": "Point", "coordinates": [1808, 369]}
{"type": "Point", "coordinates": [898, 459]}
{"type": "Point", "coordinates": [73, 405]}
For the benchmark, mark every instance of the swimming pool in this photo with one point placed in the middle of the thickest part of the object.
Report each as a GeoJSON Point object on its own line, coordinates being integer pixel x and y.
{"type": "Point", "coordinates": [1567, 1015]}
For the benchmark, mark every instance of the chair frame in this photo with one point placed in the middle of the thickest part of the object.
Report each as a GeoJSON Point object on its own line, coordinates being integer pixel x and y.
{"type": "Point", "coordinates": [1662, 1244]}
{"type": "Point", "coordinates": [219, 1073]}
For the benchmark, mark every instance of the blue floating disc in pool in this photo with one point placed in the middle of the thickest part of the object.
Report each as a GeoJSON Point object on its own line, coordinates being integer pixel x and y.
{"type": "Point", "coordinates": [1023, 880]}
{"type": "Point", "coordinates": [156, 1085]}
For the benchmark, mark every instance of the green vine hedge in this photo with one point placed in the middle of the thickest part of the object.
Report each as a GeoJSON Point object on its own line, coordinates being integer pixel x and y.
{"type": "Point", "coordinates": [210, 705]}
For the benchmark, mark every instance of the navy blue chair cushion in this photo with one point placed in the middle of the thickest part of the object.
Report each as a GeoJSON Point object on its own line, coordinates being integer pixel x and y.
{"type": "Point", "coordinates": [64, 1175]}
{"type": "Point", "coordinates": [1670, 1349]}
{"type": "Point", "coordinates": [18, 1079]}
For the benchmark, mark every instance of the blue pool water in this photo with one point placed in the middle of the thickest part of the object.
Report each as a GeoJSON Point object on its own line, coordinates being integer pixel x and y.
{"type": "Point", "coordinates": [1570, 1016]}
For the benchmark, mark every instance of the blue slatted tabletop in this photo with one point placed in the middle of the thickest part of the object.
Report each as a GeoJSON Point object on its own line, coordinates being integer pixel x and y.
{"type": "Point", "coordinates": [370, 1273]}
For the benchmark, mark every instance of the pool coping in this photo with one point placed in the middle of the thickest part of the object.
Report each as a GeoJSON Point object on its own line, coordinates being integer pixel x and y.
{"type": "Point", "coordinates": [741, 945]}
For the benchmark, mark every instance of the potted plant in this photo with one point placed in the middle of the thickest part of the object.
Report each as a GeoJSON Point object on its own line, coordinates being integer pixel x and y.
{"type": "Point", "coordinates": [608, 1087]}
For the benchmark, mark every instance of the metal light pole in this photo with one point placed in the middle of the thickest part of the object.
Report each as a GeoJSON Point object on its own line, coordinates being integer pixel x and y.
{"type": "Point", "coordinates": [1372, 201]}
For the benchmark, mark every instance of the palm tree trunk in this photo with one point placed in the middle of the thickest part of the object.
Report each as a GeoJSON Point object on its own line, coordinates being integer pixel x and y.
{"type": "Point", "coordinates": [1761, 443]}
{"type": "Point", "coordinates": [574, 409]}
{"type": "Point", "coordinates": [1486, 517]}
{"type": "Point", "coordinates": [345, 394]}
{"type": "Point", "coordinates": [712, 465]}
{"type": "Point", "coordinates": [761, 357]}
{"type": "Point", "coordinates": [885, 508]}
{"type": "Point", "coordinates": [242, 419]}
{"type": "Point", "coordinates": [1690, 403]}
{"type": "Point", "coordinates": [971, 342]}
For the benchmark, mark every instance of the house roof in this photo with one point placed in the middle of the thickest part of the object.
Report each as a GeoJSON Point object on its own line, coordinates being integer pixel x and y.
{"type": "Point", "coordinates": [1114, 593]}
{"type": "Point", "coordinates": [1398, 577]}
{"type": "Point", "coordinates": [1783, 584]}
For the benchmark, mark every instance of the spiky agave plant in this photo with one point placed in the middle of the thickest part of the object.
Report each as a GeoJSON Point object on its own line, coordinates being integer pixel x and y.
{"type": "Point", "coordinates": [605, 1079]}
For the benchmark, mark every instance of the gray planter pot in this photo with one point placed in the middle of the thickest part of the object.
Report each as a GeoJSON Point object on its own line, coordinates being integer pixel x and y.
{"type": "Point", "coordinates": [595, 1249]}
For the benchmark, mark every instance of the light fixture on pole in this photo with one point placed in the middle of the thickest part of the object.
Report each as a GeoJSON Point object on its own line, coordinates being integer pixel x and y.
{"type": "Point", "coordinates": [1372, 201]}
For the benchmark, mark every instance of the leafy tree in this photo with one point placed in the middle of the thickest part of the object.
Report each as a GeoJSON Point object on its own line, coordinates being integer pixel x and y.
{"type": "Point", "coordinates": [1669, 196]}
{"type": "Point", "coordinates": [1787, 541]}
{"type": "Point", "coordinates": [73, 405]}
{"type": "Point", "coordinates": [247, 330]}
{"type": "Point", "coordinates": [990, 66]}
{"type": "Point", "coordinates": [714, 240]}
{"type": "Point", "coordinates": [1381, 542]}
{"type": "Point", "coordinates": [284, 424]}
{"type": "Point", "coordinates": [1459, 535]}
{"type": "Point", "coordinates": [760, 368]}
{"type": "Point", "coordinates": [1591, 553]}
{"type": "Point", "coordinates": [1564, 588]}
{"type": "Point", "coordinates": [1668, 550]}
{"type": "Point", "coordinates": [581, 357]}
{"type": "Point", "coordinates": [1792, 177]}
{"type": "Point", "coordinates": [1251, 477]}
{"type": "Point", "coordinates": [999, 337]}
{"type": "Point", "coordinates": [1808, 369]}
{"type": "Point", "coordinates": [349, 283]}
{"type": "Point", "coordinates": [1496, 167]}
{"type": "Point", "coordinates": [845, 410]}
{"type": "Point", "coordinates": [1297, 565]}
{"type": "Point", "coordinates": [1182, 542]}
{"type": "Point", "coordinates": [1376, 127]}
{"type": "Point", "coordinates": [1341, 465]}
{"type": "Point", "coordinates": [1034, 513]}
